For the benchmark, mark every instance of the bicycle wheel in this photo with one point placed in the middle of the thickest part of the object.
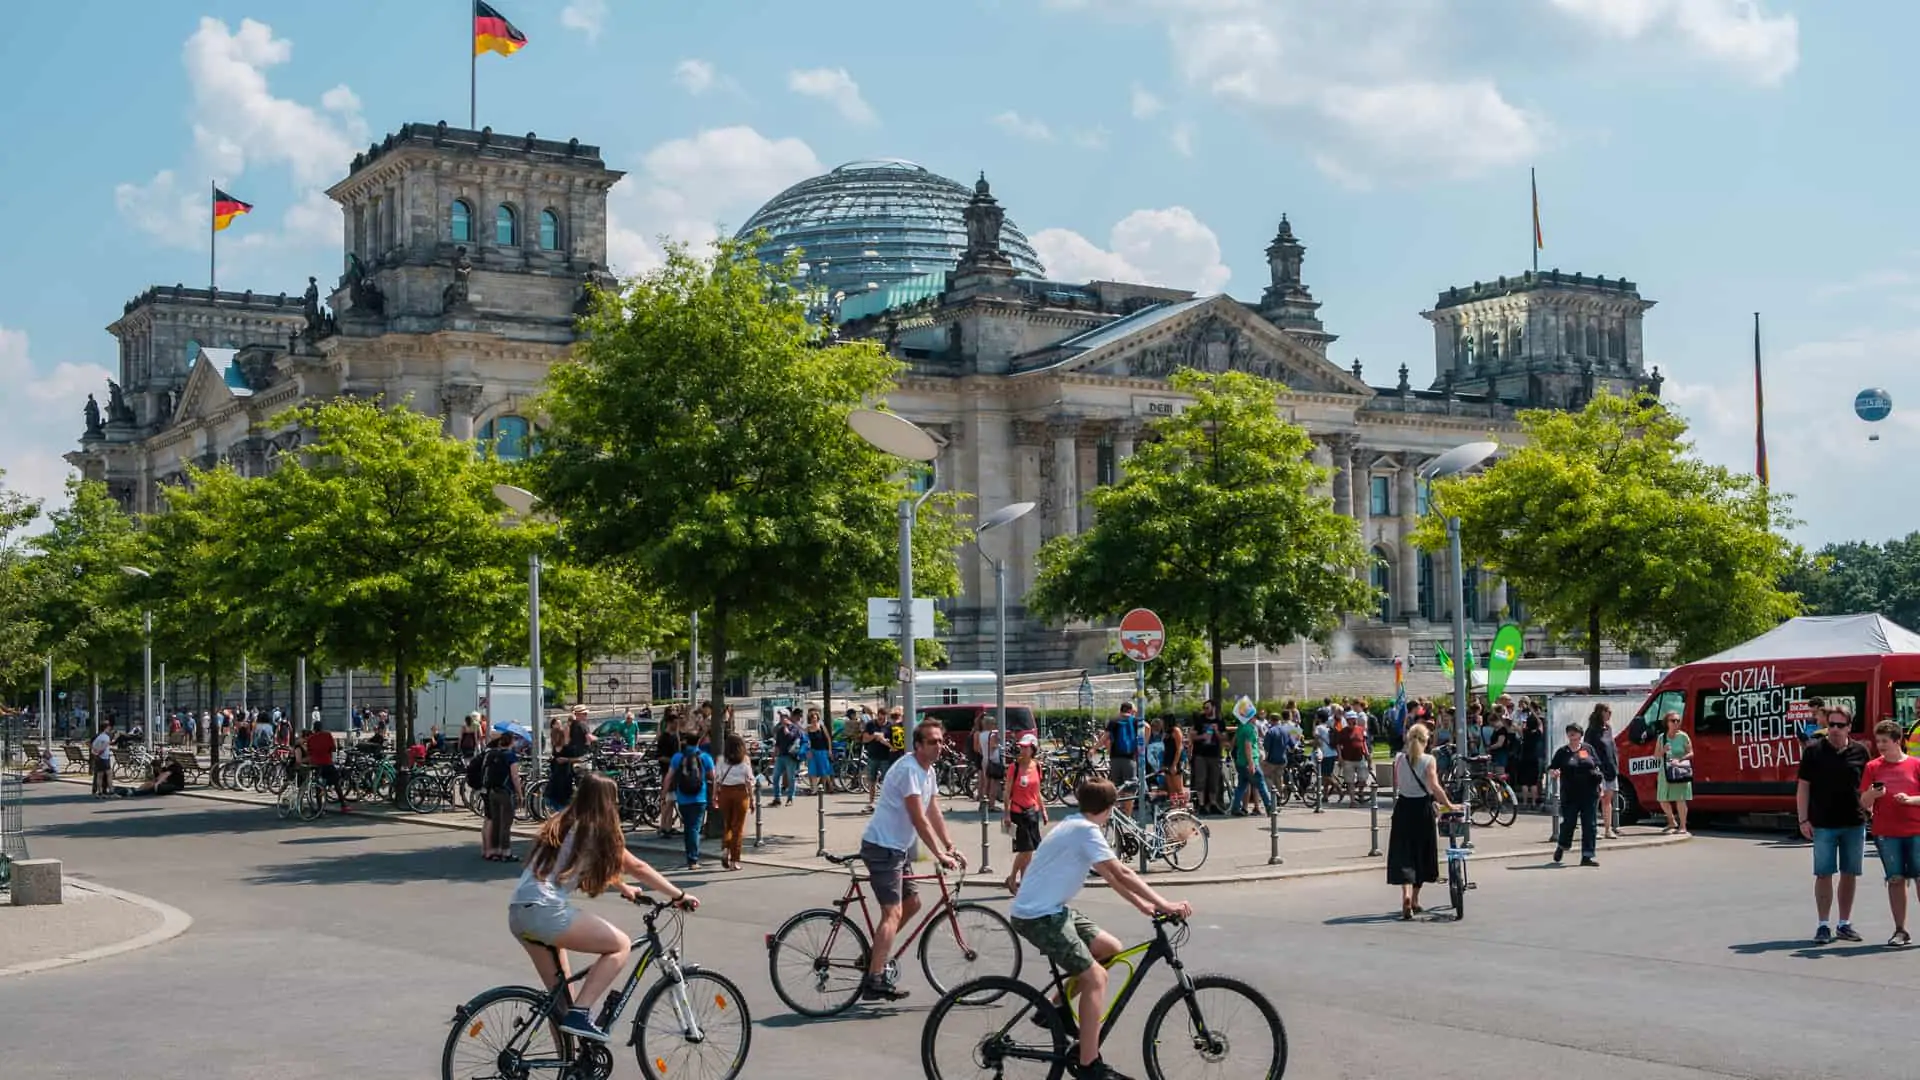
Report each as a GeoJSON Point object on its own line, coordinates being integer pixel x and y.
{"type": "Point", "coordinates": [1015, 1035]}
{"type": "Point", "coordinates": [1232, 1031]}
{"type": "Point", "coordinates": [1184, 840]}
{"type": "Point", "coordinates": [309, 801]}
{"type": "Point", "coordinates": [273, 778]}
{"type": "Point", "coordinates": [1457, 885]}
{"type": "Point", "coordinates": [817, 961]}
{"type": "Point", "coordinates": [973, 942]}
{"type": "Point", "coordinates": [495, 1032]}
{"type": "Point", "coordinates": [712, 1047]}
{"type": "Point", "coordinates": [424, 794]}
{"type": "Point", "coordinates": [284, 805]}
{"type": "Point", "coordinates": [1507, 809]}
{"type": "Point", "coordinates": [1310, 788]}
{"type": "Point", "coordinates": [1486, 804]}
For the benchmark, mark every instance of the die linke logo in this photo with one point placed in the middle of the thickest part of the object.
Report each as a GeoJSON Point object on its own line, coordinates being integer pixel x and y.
{"type": "Point", "coordinates": [1641, 766]}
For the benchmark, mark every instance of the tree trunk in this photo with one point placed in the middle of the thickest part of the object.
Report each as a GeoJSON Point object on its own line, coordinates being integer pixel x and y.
{"type": "Point", "coordinates": [1217, 676]}
{"type": "Point", "coordinates": [213, 707]}
{"type": "Point", "coordinates": [826, 696]}
{"type": "Point", "coordinates": [579, 671]}
{"type": "Point", "coordinates": [1593, 649]}
{"type": "Point", "coordinates": [403, 726]}
{"type": "Point", "coordinates": [717, 723]}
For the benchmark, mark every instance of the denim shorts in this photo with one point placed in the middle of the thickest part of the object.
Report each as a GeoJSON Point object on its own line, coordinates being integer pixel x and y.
{"type": "Point", "coordinates": [1899, 856]}
{"type": "Point", "coordinates": [1838, 850]}
{"type": "Point", "coordinates": [541, 924]}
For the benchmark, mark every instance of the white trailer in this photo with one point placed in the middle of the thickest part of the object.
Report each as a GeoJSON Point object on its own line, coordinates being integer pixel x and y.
{"type": "Point", "coordinates": [445, 700]}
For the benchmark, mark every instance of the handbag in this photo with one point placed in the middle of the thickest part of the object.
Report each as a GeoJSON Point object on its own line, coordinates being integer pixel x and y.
{"type": "Point", "coordinates": [1677, 772]}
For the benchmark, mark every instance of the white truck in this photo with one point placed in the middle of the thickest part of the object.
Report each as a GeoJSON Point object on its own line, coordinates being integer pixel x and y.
{"type": "Point", "coordinates": [444, 701]}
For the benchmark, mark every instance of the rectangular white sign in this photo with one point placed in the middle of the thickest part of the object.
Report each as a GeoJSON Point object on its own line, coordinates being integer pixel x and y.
{"type": "Point", "coordinates": [883, 617]}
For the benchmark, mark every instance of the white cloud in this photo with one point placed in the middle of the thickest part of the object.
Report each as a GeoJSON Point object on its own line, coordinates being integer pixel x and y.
{"type": "Point", "coordinates": [46, 420]}
{"type": "Point", "coordinates": [837, 88]}
{"type": "Point", "coordinates": [1094, 138]}
{"type": "Point", "coordinates": [1167, 247]}
{"type": "Point", "coordinates": [239, 124]}
{"type": "Point", "coordinates": [1146, 105]}
{"type": "Point", "coordinates": [1462, 128]}
{"type": "Point", "coordinates": [686, 188]}
{"type": "Point", "coordinates": [1023, 127]}
{"type": "Point", "coordinates": [1737, 33]}
{"type": "Point", "coordinates": [695, 76]}
{"type": "Point", "coordinates": [587, 16]}
{"type": "Point", "coordinates": [1816, 448]}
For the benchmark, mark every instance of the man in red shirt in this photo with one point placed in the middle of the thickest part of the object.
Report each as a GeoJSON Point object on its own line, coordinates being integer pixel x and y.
{"type": "Point", "coordinates": [320, 749]}
{"type": "Point", "coordinates": [1890, 791]}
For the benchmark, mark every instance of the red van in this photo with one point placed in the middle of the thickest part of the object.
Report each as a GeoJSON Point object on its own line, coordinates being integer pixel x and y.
{"type": "Point", "coordinates": [1749, 709]}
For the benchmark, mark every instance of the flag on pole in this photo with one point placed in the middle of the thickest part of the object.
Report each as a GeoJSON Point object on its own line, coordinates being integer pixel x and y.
{"type": "Point", "coordinates": [226, 208]}
{"type": "Point", "coordinates": [1759, 410]}
{"type": "Point", "coordinates": [1539, 240]}
{"type": "Point", "coordinates": [493, 33]}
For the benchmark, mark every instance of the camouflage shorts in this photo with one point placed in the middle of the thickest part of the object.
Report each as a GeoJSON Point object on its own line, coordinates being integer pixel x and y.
{"type": "Point", "coordinates": [1063, 938]}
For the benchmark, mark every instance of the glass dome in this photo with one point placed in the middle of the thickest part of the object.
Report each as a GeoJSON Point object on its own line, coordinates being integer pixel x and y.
{"type": "Point", "coordinates": [869, 224]}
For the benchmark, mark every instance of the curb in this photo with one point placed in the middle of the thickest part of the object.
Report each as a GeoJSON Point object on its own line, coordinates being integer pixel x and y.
{"type": "Point", "coordinates": [173, 923]}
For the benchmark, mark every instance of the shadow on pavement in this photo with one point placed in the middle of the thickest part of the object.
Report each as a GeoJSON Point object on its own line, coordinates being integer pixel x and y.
{"type": "Point", "coordinates": [1804, 949]}
{"type": "Point", "coordinates": [859, 1012]}
{"type": "Point", "coordinates": [236, 819]}
{"type": "Point", "coordinates": [347, 839]}
{"type": "Point", "coordinates": [1363, 920]}
{"type": "Point", "coordinates": [452, 862]}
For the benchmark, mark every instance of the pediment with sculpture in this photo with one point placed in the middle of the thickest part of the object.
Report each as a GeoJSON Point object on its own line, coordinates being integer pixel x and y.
{"type": "Point", "coordinates": [1215, 339]}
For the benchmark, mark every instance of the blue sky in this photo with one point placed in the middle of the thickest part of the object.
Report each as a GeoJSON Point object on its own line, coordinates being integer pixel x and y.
{"type": "Point", "coordinates": [1730, 156]}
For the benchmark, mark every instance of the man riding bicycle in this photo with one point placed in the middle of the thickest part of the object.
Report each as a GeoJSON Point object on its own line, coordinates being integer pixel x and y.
{"type": "Point", "coordinates": [907, 810]}
{"type": "Point", "coordinates": [1069, 939]}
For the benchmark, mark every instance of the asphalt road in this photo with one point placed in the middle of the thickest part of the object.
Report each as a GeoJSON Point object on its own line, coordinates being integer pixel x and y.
{"type": "Point", "coordinates": [341, 948]}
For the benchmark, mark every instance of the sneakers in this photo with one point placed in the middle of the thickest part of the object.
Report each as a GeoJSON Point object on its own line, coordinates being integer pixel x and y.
{"type": "Point", "coordinates": [1900, 940]}
{"type": "Point", "coordinates": [1558, 854]}
{"type": "Point", "coordinates": [876, 988]}
{"type": "Point", "coordinates": [1846, 932]}
{"type": "Point", "coordinates": [1589, 862]}
{"type": "Point", "coordinates": [1099, 1070]}
{"type": "Point", "coordinates": [581, 1026]}
{"type": "Point", "coordinates": [1823, 935]}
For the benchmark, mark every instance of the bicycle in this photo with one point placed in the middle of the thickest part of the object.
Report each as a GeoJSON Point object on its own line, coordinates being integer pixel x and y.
{"type": "Point", "coordinates": [1457, 881]}
{"type": "Point", "coordinates": [1023, 1025]}
{"type": "Point", "coordinates": [1171, 838]}
{"type": "Point", "coordinates": [823, 951]}
{"type": "Point", "coordinates": [512, 1032]}
{"type": "Point", "coordinates": [302, 798]}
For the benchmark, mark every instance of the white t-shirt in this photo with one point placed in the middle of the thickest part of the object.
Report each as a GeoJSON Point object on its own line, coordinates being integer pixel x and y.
{"type": "Point", "coordinates": [891, 827]}
{"type": "Point", "coordinates": [1060, 868]}
{"type": "Point", "coordinates": [103, 748]}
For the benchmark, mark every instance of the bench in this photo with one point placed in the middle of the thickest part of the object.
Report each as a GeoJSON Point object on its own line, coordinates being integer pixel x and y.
{"type": "Point", "coordinates": [190, 765]}
{"type": "Point", "coordinates": [77, 759]}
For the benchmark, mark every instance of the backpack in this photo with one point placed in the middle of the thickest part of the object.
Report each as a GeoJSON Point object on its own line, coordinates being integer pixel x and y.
{"type": "Point", "coordinates": [476, 774]}
{"type": "Point", "coordinates": [897, 737]}
{"type": "Point", "coordinates": [498, 774]}
{"type": "Point", "coordinates": [690, 779]}
{"type": "Point", "coordinates": [1126, 738]}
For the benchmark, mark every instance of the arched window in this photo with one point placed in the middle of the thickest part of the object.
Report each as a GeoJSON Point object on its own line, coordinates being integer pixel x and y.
{"type": "Point", "coordinates": [1593, 340]}
{"type": "Point", "coordinates": [1382, 581]}
{"type": "Point", "coordinates": [503, 226]}
{"type": "Point", "coordinates": [1426, 586]}
{"type": "Point", "coordinates": [460, 217]}
{"type": "Point", "coordinates": [549, 231]}
{"type": "Point", "coordinates": [508, 435]}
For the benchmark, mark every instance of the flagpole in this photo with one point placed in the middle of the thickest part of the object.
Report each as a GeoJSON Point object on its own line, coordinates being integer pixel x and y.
{"type": "Point", "coordinates": [213, 238]}
{"type": "Point", "coordinates": [1533, 182]}
{"type": "Point", "coordinates": [1759, 411]}
{"type": "Point", "coordinates": [473, 76]}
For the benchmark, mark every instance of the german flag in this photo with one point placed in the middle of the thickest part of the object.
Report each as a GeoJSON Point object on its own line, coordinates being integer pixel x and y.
{"type": "Point", "coordinates": [493, 33]}
{"type": "Point", "coordinates": [226, 208]}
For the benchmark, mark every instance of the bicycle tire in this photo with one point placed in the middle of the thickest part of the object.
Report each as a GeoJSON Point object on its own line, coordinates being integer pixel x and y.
{"type": "Point", "coordinates": [1457, 886]}
{"type": "Point", "coordinates": [473, 1023]}
{"type": "Point", "coordinates": [977, 927]}
{"type": "Point", "coordinates": [1181, 856]}
{"type": "Point", "coordinates": [820, 964]}
{"type": "Point", "coordinates": [1485, 803]}
{"type": "Point", "coordinates": [273, 778]}
{"type": "Point", "coordinates": [1153, 1047]}
{"type": "Point", "coordinates": [974, 1058]}
{"type": "Point", "coordinates": [1313, 792]}
{"type": "Point", "coordinates": [1508, 808]}
{"type": "Point", "coordinates": [309, 802]}
{"type": "Point", "coordinates": [722, 1000]}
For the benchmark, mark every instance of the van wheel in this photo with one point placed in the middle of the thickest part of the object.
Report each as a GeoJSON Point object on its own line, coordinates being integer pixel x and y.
{"type": "Point", "coordinates": [1626, 806]}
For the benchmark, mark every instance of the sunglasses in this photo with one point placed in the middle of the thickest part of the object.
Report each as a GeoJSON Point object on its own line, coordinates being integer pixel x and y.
{"type": "Point", "coordinates": [1838, 720]}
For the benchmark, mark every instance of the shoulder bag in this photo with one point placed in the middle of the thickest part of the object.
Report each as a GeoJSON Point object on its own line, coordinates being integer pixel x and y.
{"type": "Point", "coordinates": [1677, 772]}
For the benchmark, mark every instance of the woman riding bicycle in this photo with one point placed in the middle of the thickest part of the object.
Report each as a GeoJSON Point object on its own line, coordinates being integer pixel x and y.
{"type": "Point", "coordinates": [582, 848]}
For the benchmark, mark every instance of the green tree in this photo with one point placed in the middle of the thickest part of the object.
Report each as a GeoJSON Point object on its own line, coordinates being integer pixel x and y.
{"type": "Point", "coordinates": [87, 622]}
{"type": "Point", "coordinates": [1855, 577]}
{"type": "Point", "coordinates": [20, 609]}
{"type": "Point", "coordinates": [589, 611]}
{"type": "Point", "coordinates": [1215, 527]}
{"type": "Point", "coordinates": [1610, 528]}
{"type": "Point", "coordinates": [381, 547]}
{"type": "Point", "coordinates": [699, 434]}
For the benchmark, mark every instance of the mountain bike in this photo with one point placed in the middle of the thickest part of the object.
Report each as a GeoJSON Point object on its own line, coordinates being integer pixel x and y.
{"type": "Point", "coordinates": [819, 957]}
{"type": "Point", "coordinates": [691, 1022]}
{"type": "Point", "coordinates": [1211, 1024]}
{"type": "Point", "coordinates": [1457, 881]}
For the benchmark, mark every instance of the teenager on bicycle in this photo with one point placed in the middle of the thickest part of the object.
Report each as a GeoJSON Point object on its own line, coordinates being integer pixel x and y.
{"type": "Point", "coordinates": [1064, 936]}
{"type": "Point", "coordinates": [581, 849]}
{"type": "Point", "coordinates": [907, 813]}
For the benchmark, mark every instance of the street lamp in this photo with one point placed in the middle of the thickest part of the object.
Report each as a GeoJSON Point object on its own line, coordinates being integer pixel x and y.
{"type": "Point", "coordinates": [146, 626]}
{"type": "Point", "coordinates": [1006, 515]}
{"type": "Point", "coordinates": [1452, 463]}
{"type": "Point", "coordinates": [521, 503]}
{"type": "Point", "coordinates": [903, 438]}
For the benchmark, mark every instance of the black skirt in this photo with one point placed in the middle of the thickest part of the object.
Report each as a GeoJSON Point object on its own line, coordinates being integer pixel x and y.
{"type": "Point", "coordinates": [1413, 845]}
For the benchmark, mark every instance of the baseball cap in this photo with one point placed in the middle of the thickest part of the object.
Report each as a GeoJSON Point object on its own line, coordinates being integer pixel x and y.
{"type": "Point", "coordinates": [1029, 739]}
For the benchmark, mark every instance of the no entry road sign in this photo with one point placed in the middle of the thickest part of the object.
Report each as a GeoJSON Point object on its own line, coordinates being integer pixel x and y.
{"type": "Point", "coordinates": [1142, 635]}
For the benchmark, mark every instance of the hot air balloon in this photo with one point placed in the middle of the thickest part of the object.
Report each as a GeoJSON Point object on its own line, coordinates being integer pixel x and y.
{"type": "Point", "coordinates": [1873, 405]}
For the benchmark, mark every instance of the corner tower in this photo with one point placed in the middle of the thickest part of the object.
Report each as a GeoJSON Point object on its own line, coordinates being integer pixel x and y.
{"type": "Point", "coordinates": [1543, 339]}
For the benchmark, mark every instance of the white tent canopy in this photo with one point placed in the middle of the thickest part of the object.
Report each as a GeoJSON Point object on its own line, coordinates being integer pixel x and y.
{"type": "Point", "coordinates": [1823, 636]}
{"type": "Point", "coordinates": [1574, 680]}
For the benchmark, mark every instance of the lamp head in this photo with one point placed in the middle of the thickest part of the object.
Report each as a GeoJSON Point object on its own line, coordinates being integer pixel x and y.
{"type": "Point", "coordinates": [1006, 515]}
{"type": "Point", "coordinates": [893, 434]}
{"type": "Point", "coordinates": [1459, 460]}
{"type": "Point", "coordinates": [517, 499]}
{"type": "Point", "coordinates": [134, 571]}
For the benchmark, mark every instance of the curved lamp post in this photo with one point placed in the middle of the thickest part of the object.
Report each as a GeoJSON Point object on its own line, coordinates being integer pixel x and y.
{"type": "Point", "coordinates": [522, 503]}
{"type": "Point", "coordinates": [1006, 515]}
{"type": "Point", "coordinates": [1458, 460]}
{"type": "Point", "coordinates": [146, 628]}
{"type": "Point", "coordinates": [902, 438]}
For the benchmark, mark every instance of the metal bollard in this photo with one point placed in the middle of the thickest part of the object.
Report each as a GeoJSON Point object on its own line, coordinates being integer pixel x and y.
{"type": "Point", "coordinates": [1553, 809]}
{"type": "Point", "coordinates": [986, 860]}
{"type": "Point", "coordinates": [820, 811]}
{"type": "Point", "coordinates": [1373, 824]}
{"type": "Point", "coordinates": [1273, 833]}
{"type": "Point", "coordinates": [757, 836]}
{"type": "Point", "coordinates": [1139, 805]}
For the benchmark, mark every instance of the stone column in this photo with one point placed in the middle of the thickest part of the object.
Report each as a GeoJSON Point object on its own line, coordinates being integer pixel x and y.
{"type": "Point", "coordinates": [1124, 434]}
{"type": "Point", "coordinates": [1363, 495]}
{"type": "Point", "coordinates": [1066, 476]}
{"type": "Point", "coordinates": [1342, 449]}
{"type": "Point", "coordinates": [1406, 583]}
{"type": "Point", "coordinates": [1497, 601]}
{"type": "Point", "coordinates": [1322, 457]}
{"type": "Point", "coordinates": [461, 401]}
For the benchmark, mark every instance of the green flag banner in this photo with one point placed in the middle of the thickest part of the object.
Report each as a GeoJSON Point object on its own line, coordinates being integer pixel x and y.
{"type": "Point", "coordinates": [1440, 657]}
{"type": "Point", "coordinates": [1505, 654]}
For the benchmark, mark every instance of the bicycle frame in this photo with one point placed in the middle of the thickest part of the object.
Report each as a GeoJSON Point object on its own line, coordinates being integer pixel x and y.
{"type": "Point", "coordinates": [1148, 953]}
{"type": "Point", "coordinates": [903, 941]}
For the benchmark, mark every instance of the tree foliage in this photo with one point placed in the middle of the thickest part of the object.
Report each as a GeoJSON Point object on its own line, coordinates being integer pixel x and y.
{"type": "Point", "coordinates": [1610, 528]}
{"type": "Point", "coordinates": [1857, 577]}
{"type": "Point", "coordinates": [590, 611]}
{"type": "Point", "coordinates": [20, 609]}
{"type": "Point", "coordinates": [1216, 528]}
{"type": "Point", "coordinates": [86, 621]}
{"type": "Point", "coordinates": [699, 434]}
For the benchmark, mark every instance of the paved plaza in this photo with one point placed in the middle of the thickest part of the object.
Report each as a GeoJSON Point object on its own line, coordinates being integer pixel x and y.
{"type": "Point", "coordinates": [344, 945]}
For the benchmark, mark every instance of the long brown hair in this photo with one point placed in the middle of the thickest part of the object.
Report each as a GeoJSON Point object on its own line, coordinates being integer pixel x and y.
{"type": "Point", "coordinates": [736, 748]}
{"type": "Point", "coordinates": [599, 847]}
